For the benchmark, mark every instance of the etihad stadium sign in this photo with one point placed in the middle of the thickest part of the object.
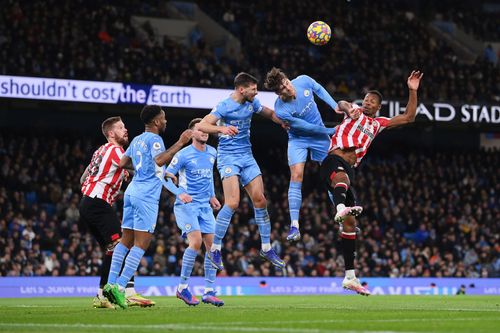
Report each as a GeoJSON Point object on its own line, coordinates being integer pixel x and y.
{"type": "Point", "coordinates": [206, 98]}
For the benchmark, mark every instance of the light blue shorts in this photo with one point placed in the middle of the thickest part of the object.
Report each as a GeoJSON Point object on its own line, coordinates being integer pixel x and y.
{"type": "Point", "coordinates": [139, 215]}
{"type": "Point", "coordinates": [244, 166]}
{"type": "Point", "coordinates": [298, 150]}
{"type": "Point", "coordinates": [192, 216]}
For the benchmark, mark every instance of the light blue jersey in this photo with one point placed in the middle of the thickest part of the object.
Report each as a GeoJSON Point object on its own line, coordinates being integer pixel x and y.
{"type": "Point", "coordinates": [146, 183]}
{"type": "Point", "coordinates": [231, 113]}
{"type": "Point", "coordinates": [195, 169]}
{"type": "Point", "coordinates": [307, 132]}
{"type": "Point", "coordinates": [140, 205]}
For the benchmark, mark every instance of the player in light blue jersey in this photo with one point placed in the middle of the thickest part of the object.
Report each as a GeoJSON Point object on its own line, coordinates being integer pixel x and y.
{"type": "Point", "coordinates": [231, 119]}
{"type": "Point", "coordinates": [194, 165]}
{"type": "Point", "coordinates": [140, 210]}
{"type": "Point", "coordinates": [307, 134]}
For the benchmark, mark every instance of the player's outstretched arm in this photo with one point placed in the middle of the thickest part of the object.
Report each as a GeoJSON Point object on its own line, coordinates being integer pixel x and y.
{"type": "Point", "coordinates": [323, 94]}
{"type": "Point", "coordinates": [208, 125]}
{"type": "Point", "coordinates": [270, 114]}
{"type": "Point", "coordinates": [413, 83]}
{"type": "Point", "coordinates": [350, 109]}
{"type": "Point", "coordinates": [165, 157]}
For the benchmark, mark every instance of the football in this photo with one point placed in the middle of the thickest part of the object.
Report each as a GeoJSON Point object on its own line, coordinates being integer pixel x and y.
{"type": "Point", "coordinates": [319, 33]}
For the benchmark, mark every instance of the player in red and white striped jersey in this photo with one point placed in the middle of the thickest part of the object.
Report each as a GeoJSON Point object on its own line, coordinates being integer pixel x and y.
{"type": "Point", "coordinates": [101, 183]}
{"type": "Point", "coordinates": [348, 146]}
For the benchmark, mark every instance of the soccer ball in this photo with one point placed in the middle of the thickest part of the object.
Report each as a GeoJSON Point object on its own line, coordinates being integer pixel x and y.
{"type": "Point", "coordinates": [319, 33]}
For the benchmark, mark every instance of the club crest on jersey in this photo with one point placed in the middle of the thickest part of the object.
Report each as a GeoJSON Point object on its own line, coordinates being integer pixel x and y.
{"type": "Point", "coordinates": [175, 160]}
{"type": "Point", "coordinates": [156, 145]}
{"type": "Point", "coordinates": [307, 93]}
{"type": "Point", "coordinates": [250, 108]}
{"type": "Point", "coordinates": [228, 170]}
{"type": "Point", "coordinates": [212, 160]}
{"type": "Point", "coordinates": [187, 227]}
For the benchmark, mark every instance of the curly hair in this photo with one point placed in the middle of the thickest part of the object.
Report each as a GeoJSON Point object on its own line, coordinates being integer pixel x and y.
{"type": "Point", "coordinates": [274, 79]}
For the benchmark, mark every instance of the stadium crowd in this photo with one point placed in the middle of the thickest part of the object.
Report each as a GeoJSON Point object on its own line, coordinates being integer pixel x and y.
{"type": "Point", "coordinates": [367, 51]}
{"type": "Point", "coordinates": [426, 214]}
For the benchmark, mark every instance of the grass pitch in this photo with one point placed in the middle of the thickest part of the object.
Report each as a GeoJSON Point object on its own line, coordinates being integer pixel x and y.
{"type": "Point", "coordinates": [309, 314]}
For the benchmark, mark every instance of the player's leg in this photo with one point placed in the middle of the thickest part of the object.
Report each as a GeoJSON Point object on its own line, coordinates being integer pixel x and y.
{"type": "Point", "coordinates": [207, 225]}
{"type": "Point", "coordinates": [93, 216]}
{"type": "Point", "coordinates": [255, 189]}
{"type": "Point", "coordinates": [336, 175]}
{"type": "Point", "coordinates": [297, 156]}
{"type": "Point", "coordinates": [319, 151]}
{"type": "Point", "coordinates": [231, 189]}
{"type": "Point", "coordinates": [186, 217]}
{"type": "Point", "coordinates": [348, 240]}
{"type": "Point", "coordinates": [145, 215]}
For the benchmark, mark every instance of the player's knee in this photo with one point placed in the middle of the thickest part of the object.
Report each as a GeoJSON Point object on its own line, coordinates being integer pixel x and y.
{"type": "Point", "coordinates": [349, 224]}
{"type": "Point", "coordinates": [260, 201]}
{"type": "Point", "coordinates": [195, 243]}
{"type": "Point", "coordinates": [296, 176]}
{"type": "Point", "coordinates": [340, 177]}
{"type": "Point", "coordinates": [233, 204]}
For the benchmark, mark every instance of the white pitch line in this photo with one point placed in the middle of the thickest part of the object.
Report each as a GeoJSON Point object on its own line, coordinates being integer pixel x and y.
{"type": "Point", "coordinates": [182, 327]}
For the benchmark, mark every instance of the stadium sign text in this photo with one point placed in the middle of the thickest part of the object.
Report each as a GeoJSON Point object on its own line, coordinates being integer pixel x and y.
{"type": "Point", "coordinates": [207, 98]}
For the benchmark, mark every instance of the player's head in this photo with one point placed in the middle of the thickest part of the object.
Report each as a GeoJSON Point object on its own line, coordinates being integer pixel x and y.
{"type": "Point", "coordinates": [198, 135]}
{"type": "Point", "coordinates": [277, 81]}
{"type": "Point", "coordinates": [154, 116]}
{"type": "Point", "coordinates": [372, 102]}
{"type": "Point", "coordinates": [114, 130]}
{"type": "Point", "coordinates": [246, 85]}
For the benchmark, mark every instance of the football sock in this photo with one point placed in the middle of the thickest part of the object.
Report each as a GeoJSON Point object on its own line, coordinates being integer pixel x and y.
{"type": "Point", "coordinates": [210, 273]}
{"type": "Point", "coordinates": [119, 255]}
{"type": "Point", "coordinates": [222, 223]}
{"type": "Point", "coordinates": [264, 224]}
{"type": "Point", "coordinates": [294, 202]}
{"type": "Point", "coordinates": [105, 267]}
{"type": "Point", "coordinates": [339, 193]}
{"type": "Point", "coordinates": [131, 264]}
{"type": "Point", "coordinates": [348, 249]}
{"type": "Point", "coordinates": [188, 260]}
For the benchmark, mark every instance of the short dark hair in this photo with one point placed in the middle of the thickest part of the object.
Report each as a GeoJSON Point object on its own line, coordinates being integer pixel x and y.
{"type": "Point", "coordinates": [244, 80]}
{"type": "Point", "coordinates": [274, 79]}
{"type": "Point", "coordinates": [376, 92]}
{"type": "Point", "coordinates": [194, 122]}
{"type": "Point", "coordinates": [149, 112]}
{"type": "Point", "coordinates": [108, 124]}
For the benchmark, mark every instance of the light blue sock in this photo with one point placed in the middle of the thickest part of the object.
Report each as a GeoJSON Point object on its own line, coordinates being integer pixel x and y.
{"type": "Point", "coordinates": [294, 202]}
{"type": "Point", "coordinates": [210, 273]}
{"type": "Point", "coordinates": [131, 264]}
{"type": "Point", "coordinates": [222, 223]}
{"type": "Point", "coordinates": [188, 260]}
{"type": "Point", "coordinates": [119, 254]}
{"type": "Point", "coordinates": [264, 224]}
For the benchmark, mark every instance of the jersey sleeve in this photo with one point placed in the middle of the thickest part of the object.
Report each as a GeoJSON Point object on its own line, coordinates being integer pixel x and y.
{"type": "Point", "coordinates": [176, 164]}
{"type": "Point", "coordinates": [321, 92]}
{"type": "Point", "coordinates": [257, 107]}
{"type": "Point", "coordinates": [219, 110]}
{"type": "Point", "coordinates": [128, 152]}
{"type": "Point", "coordinates": [384, 122]}
{"type": "Point", "coordinates": [157, 146]}
{"type": "Point", "coordinates": [116, 155]}
{"type": "Point", "coordinates": [282, 111]}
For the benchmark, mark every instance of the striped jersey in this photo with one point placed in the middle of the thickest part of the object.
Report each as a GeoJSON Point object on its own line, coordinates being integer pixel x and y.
{"type": "Point", "coordinates": [105, 176]}
{"type": "Point", "coordinates": [358, 134]}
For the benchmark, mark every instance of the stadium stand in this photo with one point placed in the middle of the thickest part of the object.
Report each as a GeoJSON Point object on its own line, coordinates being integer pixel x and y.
{"type": "Point", "coordinates": [366, 51]}
{"type": "Point", "coordinates": [427, 214]}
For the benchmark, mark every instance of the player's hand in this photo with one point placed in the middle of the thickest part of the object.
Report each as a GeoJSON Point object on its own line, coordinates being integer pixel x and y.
{"type": "Point", "coordinates": [414, 80]}
{"type": "Point", "coordinates": [126, 175]}
{"type": "Point", "coordinates": [186, 137]}
{"type": "Point", "coordinates": [285, 126]}
{"type": "Point", "coordinates": [229, 130]}
{"type": "Point", "coordinates": [185, 198]}
{"type": "Point", "coordinates": [214, 203]}
{"type": "Point", "coordinates": [354, 112]}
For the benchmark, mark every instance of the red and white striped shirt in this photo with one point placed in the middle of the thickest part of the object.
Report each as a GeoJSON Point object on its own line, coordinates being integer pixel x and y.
{"type": "Point", "coordinates": [105, 176]}
{"type": "Point", "coordinates": [358, 134]}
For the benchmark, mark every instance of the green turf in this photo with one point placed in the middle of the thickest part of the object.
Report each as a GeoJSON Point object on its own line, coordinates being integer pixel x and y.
{"type": "Point", "coordinates": [260, 314]}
